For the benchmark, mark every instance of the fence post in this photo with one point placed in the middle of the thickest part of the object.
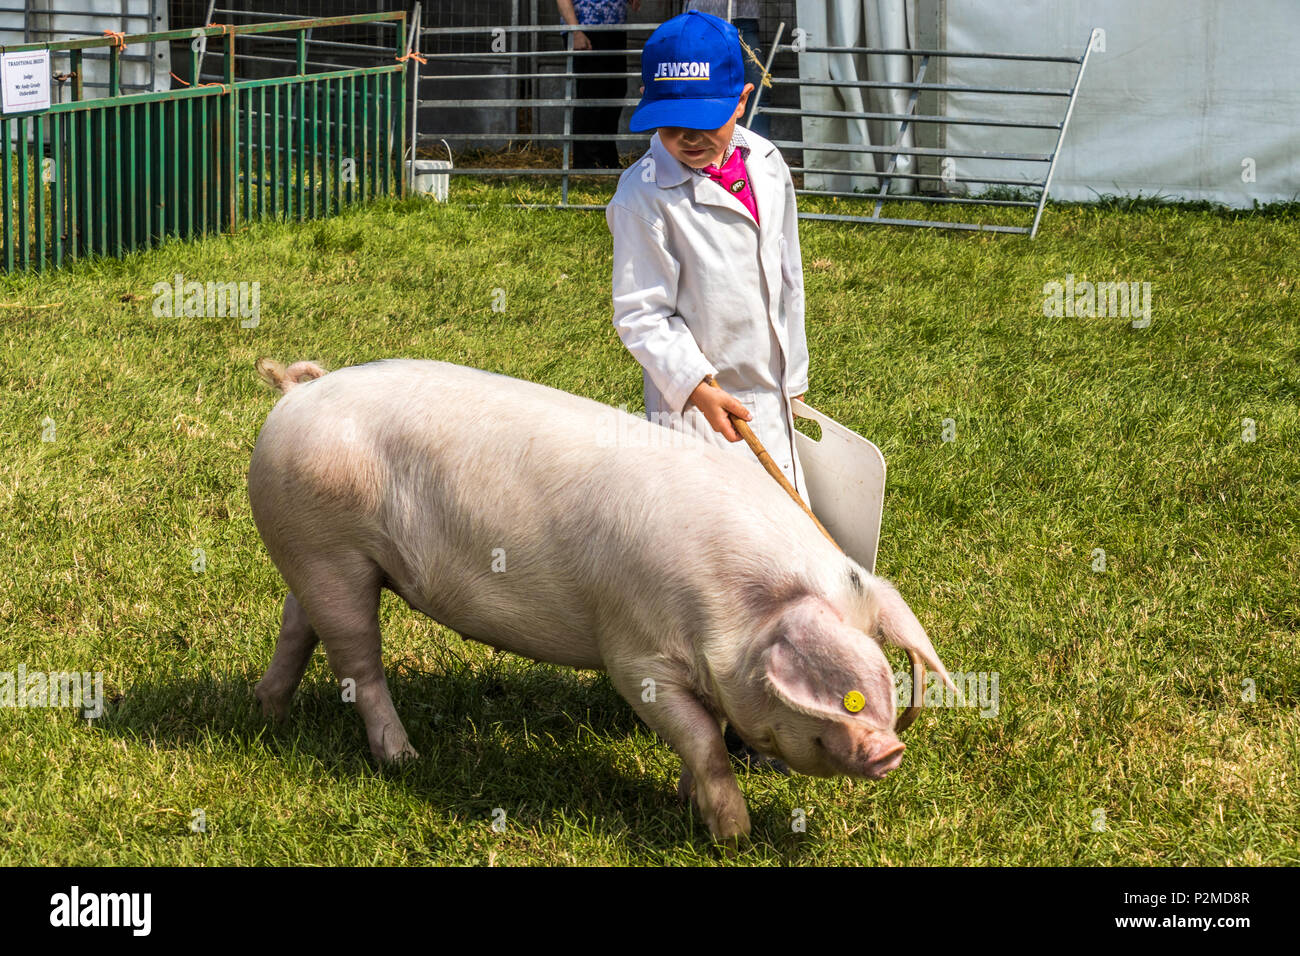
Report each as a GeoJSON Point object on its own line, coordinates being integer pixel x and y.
{"type": "Point", "coordinates": [74, 60]}
{"type": "Point", "coordinates": [568, 123]}
{"type": "Point", "coordinates": [414, 95]}
{"type": "Point", "coordinates": [397, 114]}
{"type": "Point", "coordinates": [6, 170]}
{"type": "Point", "coordinates": [114, 70]}
{"type": "Point", "coordinates": [230, 170]}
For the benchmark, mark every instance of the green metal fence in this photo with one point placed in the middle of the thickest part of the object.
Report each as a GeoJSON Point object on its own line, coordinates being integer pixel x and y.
{"type": "Point", "coordinates": [109, 175]}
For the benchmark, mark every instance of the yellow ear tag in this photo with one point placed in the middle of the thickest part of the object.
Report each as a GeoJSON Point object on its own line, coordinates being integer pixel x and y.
{"type": "Point", "coordinates": [854, 702]}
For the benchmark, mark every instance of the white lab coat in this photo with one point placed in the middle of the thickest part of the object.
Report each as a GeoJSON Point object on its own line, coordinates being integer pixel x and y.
{"type": "Point", "coordinates": [701, 289]}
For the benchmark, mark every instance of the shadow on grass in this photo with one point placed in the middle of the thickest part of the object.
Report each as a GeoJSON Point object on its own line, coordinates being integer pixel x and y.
{"type": "Point", "coordinates": [554, 747]}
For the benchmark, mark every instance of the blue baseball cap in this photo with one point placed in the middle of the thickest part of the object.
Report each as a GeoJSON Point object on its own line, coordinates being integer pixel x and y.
{"type": "Point", "coordinates": [693, 74]}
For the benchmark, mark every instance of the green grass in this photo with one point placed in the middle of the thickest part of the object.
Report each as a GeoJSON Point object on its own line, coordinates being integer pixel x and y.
{"type": "Point", "coordinates": [1120, 691]}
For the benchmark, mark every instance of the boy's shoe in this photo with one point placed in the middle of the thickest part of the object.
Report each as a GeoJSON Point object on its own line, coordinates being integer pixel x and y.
{"type": "Point", "coordinates": [750, 757]}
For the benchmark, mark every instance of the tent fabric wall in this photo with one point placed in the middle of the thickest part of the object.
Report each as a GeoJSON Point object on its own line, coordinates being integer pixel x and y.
{"type": "Point", "coordinates": [875, 23]}
{"type": "Point", "coordinates": [144, 68]}
{"type": "Point", "coordinates": [1187, 99]}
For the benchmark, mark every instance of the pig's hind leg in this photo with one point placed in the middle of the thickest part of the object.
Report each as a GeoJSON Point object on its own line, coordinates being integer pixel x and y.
{"type": "Point", "coordinates": [341, 598]}
{"type": "Point", "coordinates": [292, 653]}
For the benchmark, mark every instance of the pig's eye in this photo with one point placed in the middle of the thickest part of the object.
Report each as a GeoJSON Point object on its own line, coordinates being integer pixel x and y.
{"type": "Point", "coordinates": [818, 742]}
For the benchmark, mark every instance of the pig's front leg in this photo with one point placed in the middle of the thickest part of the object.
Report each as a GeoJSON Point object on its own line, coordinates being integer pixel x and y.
{"type": "Point", "coordinates": [678, 716]}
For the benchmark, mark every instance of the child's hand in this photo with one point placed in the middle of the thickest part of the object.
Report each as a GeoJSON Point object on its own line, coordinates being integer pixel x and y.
{"type": "Point", "coordinates": [714, 404]}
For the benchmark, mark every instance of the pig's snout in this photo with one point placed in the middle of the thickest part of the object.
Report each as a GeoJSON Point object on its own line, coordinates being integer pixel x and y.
{"type": "Point", "coordinates": [883, 758]}
{"type": "Point", "coordinates": [863, 753]}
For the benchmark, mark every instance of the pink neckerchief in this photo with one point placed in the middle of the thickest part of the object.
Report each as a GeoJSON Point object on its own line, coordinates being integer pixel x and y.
{"type": "Point", "coordinates": [734, 178]}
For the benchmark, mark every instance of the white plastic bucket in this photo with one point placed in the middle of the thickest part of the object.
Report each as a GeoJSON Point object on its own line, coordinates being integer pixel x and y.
{"type": "Point", "coordinates": [432, 176]}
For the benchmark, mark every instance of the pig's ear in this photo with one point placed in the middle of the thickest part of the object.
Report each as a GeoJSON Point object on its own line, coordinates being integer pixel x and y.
{"type": "Point", "coordinates": [898, 626]}
{"type": "Point", "coordinates": [814, 662]}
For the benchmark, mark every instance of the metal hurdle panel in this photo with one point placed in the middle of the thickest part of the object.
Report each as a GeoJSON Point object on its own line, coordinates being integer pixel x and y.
{"type": "Point", "coordinates": [909, 118]}
{"type": "Point", "coordinates": [528, 51]}
{"type": "Point", "coordinates": [519, 59]}
{"type": "Point", "coordinates": [103, 176]}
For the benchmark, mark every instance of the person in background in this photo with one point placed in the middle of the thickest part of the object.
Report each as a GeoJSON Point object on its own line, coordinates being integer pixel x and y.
{"type": "Point", "coordinates": [597, 154]}
{"type": "Point", "coordinates": [744, 15]}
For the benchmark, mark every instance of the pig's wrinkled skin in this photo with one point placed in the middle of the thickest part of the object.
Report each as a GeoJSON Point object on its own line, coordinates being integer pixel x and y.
{"type": "Point", "coordinates": [655, 560]}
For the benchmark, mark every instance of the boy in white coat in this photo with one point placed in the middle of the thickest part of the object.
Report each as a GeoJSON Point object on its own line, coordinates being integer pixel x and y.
{"type": "Point", "coordinates": [707, 275]}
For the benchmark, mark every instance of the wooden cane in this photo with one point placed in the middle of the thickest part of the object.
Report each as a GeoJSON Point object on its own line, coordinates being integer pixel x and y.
{"type": "Point", "coordinates": [906, 718]}
{"type": "Point", "coordinates": [770, 466]}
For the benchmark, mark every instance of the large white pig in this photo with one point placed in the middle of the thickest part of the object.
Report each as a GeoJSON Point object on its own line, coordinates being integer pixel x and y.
{"type": "Point", "coordinates": [564, 530]}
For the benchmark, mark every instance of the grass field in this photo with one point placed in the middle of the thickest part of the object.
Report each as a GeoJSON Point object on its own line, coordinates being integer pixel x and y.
{"type": "Point", "coordinates": [1147, 713]}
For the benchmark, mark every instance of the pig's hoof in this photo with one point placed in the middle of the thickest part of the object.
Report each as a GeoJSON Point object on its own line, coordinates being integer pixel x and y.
{"type": "Point", "coordinates": [731, 835]}
{"type": "Point", "coordinates": [401, 758]}
{"type": "Point", "coordinates": [731, 847]}
{"type": "Point", "coordinates": [751, 758]}
{"type": "Point", "coordinates": [728, 822]}
{"type": "Point", "coordinates": [275, 707]}
{"type": "Point", "coordinates": [392, 748]}
{"type": "Point", "coordinates": [685, 787]}
{"type": "Point", "coordinates": [397, 757]}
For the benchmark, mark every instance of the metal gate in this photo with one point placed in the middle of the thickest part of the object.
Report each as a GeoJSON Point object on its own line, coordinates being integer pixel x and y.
{"type": "Point", "coordinates": [898, 155]}
{"type": "Point", "coordinates": [108, 175]}
{"type": "Point", "coordinates": [532, 71]}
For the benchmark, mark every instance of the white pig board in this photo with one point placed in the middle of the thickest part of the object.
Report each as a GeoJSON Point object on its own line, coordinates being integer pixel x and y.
{"type": "Point", "coordinates": [846, 481]}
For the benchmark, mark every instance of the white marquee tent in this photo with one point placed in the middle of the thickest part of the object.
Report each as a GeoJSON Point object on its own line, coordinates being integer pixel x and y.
{"type": "Point", "coordinates": [1185, 99]}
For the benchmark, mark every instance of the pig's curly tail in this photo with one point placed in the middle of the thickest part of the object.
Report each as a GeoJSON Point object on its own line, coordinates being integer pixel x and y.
{"type": "Point", "coordinates": [283, 379]}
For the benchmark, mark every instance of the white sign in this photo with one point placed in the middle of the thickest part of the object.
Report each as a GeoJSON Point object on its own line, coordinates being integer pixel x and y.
{"type": "Point", "coordinates": [25, 78]}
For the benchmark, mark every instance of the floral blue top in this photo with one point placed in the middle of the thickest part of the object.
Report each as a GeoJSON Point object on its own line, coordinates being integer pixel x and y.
{"type": "Point", "coordinates": [600, 11]}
